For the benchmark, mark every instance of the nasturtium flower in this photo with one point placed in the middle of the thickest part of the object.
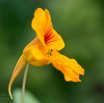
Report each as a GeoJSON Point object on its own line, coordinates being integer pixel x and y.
{"type": "Point", "coordinates": [44, 50]}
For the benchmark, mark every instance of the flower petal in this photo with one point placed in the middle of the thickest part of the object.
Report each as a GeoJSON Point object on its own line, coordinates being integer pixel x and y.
{"type": "Point", "coordinates": [69, 67]}
{"type": "Point", "coordinates": [35, 56]}
{"type": "Point", "coordinates": [69, 75]}
{"type": "Point", "coordinates": [34, 42]}
{"type": "Point", "coordinates": [56, 42]}
{"type": "Point", "coordinates": [41, 23]}
{"type": "Point", "coordinates": [19, 66]}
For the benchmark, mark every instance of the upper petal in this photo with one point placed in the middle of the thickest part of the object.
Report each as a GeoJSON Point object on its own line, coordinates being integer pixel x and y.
{"type": "Point", "coordinates": [56, 42]}
{"type": "Point", "coordinates": [42, 24]}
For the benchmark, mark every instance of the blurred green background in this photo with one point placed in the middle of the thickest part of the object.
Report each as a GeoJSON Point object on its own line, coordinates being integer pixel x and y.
{"type": "Point", "coordinates": [81, 25]}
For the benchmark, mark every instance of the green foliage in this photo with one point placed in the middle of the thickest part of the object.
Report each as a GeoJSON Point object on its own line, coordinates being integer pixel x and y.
{"type": "Point", "coordinates": [28, 97]}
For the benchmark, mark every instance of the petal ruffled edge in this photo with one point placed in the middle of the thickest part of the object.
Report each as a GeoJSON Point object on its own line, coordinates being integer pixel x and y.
{"type": "Point", "coordinates": [69, 67]}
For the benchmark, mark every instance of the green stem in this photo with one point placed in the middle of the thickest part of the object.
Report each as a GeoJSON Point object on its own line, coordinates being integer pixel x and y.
{"type": "Point", "coordinates": [24, 83]}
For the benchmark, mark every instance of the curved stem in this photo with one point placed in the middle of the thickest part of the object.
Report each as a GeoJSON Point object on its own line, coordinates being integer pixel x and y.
{"type": "Point", "coordinates": [24, 83]}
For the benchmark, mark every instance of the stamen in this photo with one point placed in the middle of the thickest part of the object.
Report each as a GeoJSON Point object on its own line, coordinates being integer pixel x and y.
{"type": "Point", "coordinates": [51, 50]}
{"type": "Point", "coordinates": [49, 53]}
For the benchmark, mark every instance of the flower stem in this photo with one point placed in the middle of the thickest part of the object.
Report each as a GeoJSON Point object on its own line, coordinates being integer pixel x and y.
{"type": "Point", "coordinates": [24, 83]}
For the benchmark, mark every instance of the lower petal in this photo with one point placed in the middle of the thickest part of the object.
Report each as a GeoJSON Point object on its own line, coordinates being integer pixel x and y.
{"type": "Point", "coordinates": [69, 75]}
{"type": "Point", "coordinates": [69, 67]}
{"type": "Point", "coordinates": [35, 56]}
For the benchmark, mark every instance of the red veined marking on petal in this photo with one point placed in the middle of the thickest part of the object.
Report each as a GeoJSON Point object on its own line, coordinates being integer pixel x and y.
{"type": "Point", "coordinates": [50, 37]}
{"type": "Point", "coordinates": [50, 41]}
{"type": "Point", "coordinates": [48, 44]}
{"type": "Point", "coordinates": [47, 37]}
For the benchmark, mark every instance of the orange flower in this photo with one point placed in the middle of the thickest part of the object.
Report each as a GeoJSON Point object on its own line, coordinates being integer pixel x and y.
{"type": "Point", "coordinates": [44, 50]}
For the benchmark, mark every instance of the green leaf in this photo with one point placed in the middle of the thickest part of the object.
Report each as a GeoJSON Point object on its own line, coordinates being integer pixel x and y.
{"type": "Point", "coordinates": [28, 96]}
